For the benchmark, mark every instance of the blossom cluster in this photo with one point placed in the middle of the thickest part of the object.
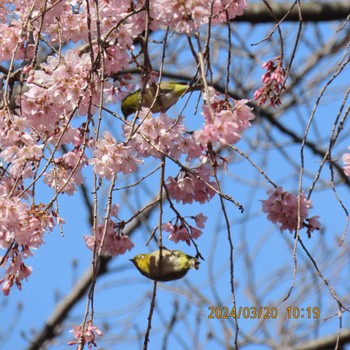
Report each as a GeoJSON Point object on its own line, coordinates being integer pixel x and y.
{"type": "Point", "coordinates": [187, 16]}
{"type": "Point", "coordinates": [64, 85]}
{"type": "Point", "coordinates": [66, 174]}
{"type": "Point", "coordinates": [224, 123]}
{"type": "Point", "coordinates": [273, 81]}
{"type": "Point", "coordinates": [19, 148]}
{"type": "Point", "coordinates": [160, 135]}
{"type": "Point", "coordinates": [189, 187]}
{"type": "Point", "coordinates": [22, 230]}
{"type": "Point", "coordinates": [85, 335]}
{"type": "Point", "coordinates": [282, 208]}
{"type": "Point", "coordinates": [111, 157]}
{"type": "Point", "coordinates": [181, 231]}
{"type": "Point", "coordinates": [109, 237]}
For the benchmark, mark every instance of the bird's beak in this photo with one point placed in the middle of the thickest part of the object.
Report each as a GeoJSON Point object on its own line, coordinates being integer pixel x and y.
{"type": "Point", "coordinates": [196, 264]}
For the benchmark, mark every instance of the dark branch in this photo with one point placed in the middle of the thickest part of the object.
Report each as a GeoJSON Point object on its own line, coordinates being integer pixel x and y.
{"type": "Point", "coordinates": [325, 343]}
{"type": "Point", "coordinates": [311, 12]}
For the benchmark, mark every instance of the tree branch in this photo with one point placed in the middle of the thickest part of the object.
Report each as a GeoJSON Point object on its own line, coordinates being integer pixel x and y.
{"type": "Point", "coordinates": [325, 343]}
{"type": "Point", "coordinates": [311, 12]}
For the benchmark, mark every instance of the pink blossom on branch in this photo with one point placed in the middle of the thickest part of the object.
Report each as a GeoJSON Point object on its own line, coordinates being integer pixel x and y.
{"type": "Point", "coordinates": [22, 158]}
{"type": "Point", "coordinates": [187, 188]}
{"type": "Point", "coordinates": [65, 174]}
{"type": "Point", "coordinates": [282, 208]}
{"type": "Point", "coordinates": [63, 84]}
{"type": "Point", "coordinates": [19, 148]}
{"type": "Point", "coordinates": [182, 231]}
{"type": "Point", "coordinates": [312, 224]}
{"type": "Point", "coordinates": [165, 134]}
{"type": "Point", "coordinates": [273, 81]}
{"type": "Point", "coordinates": [111, 157]}
{"type": "Point", "coordinates": [187, 16]}
{"type": "Point", "coordinates": [178, 233]}
{"type": "Point", "coordinates": [22, 230]}
{"type": "Point", "coordinates": [86, 335]}
{"type": "Point", "coordinates": [200, 219]}
{"type": "Point", "coordinates": [115, 241]}
{"type": "Point", "coordinates": [24, 224]}
{"type": "Point", "coordinates": [14, 41]}
{"type": "Point", "coordinates": [16, 271]}
{"type": "Point", "coordinates": [223, 123]}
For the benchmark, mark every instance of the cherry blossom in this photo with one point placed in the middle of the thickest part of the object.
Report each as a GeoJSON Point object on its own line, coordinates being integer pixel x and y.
{"type": "Point", "coordinates": [177, 233]}
{"type": "Point", "coordinates": [312, 224]}
{"type": "Point", "coordinates": [22, 228]}
{"type": "Point", "coordinates": [16, 271]}
{"type": "Point", "coordinates": [187, 16]}
{"type": "Point", "coordinates": [187, 187]}
{"type": "Point", "coordinates": [163, 134]}
{"type": "Point", "coordinates": [66, 175]}
{"type": "Point", "coordinates": [182, 231]}
{"type": "Point", "coordinates": [282, 208]}
{"type": "Point", "coordinates": [273, 81]}
{"type": "Point", "coordinates": [111, 157]}
{"type": "Point", "coordinates": [115, 242]}
{"type": "Point", "coordinates": [224, 10]}
{"type": "Point", "coordinates": [85, 335]}
{"type": "Point", "coordinates": [223, 123]}
{"type": "Point", "coordinates": [13, 42]}
{"type": "Point", "coordinates": [200, 219]}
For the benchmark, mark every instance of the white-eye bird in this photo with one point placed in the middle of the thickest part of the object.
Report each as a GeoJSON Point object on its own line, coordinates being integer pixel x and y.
{"type": "Point", "coordinates": [169, 93]}
{"type": "Point", "coordinates": [167, 265]}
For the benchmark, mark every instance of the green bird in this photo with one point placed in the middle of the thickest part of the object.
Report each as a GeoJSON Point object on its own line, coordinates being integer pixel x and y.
{"type": "Point", "coordinates": [174, 264]}
{"type": "Point", "coordinates": [169, 93]}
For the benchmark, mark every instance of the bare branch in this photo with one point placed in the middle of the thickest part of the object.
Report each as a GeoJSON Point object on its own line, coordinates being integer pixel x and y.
{"type": "Point", "coordinates": [311, 12]}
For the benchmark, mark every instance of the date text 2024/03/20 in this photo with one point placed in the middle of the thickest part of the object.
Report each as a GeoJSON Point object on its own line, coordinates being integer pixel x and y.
{"type": "Point", "coordinates": [267, 312]}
